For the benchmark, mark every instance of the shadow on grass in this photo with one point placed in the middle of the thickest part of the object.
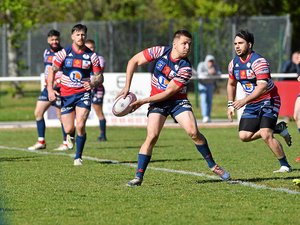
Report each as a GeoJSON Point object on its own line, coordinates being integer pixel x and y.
{"type": "Point", "coordinates": [152, 161]}
{"type": "Point", "coordinates": [256, 179]}
{"type": "Point", "coordinates": [12, 159]}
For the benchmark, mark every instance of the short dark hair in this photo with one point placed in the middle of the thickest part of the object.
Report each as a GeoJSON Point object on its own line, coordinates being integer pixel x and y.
{"type": "Point", "coordinates": [79, 27]}
{"type": "Point", "coordinates": [246, 35]}
{"type": "Point", "coordinates": [53, 33]}
{"type": "Point", "coordinates": [182, 32]}
{"type": "Point", "coordinates": [90, 41]}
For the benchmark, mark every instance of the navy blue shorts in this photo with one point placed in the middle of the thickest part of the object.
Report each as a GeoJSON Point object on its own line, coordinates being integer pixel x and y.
{"type": "Point", "coordinates": [171, 107]}
{"type": "Point", "coordinates": [98, 95]}
{"type": "Point", "coordinates": [44, 97]}
{"type": "Point", "coordinates": [263, 114]}
{"type": "Point", "coordinates": [69, 103]}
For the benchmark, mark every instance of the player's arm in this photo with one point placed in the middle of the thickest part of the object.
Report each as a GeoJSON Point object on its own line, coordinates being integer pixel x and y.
{"type": "Point", "coordinates": [260, 89]}
{"type": "Point", "coordinates": [133, 63]}
{"type": "Point", "coordinates": [231, 92]}
{"type": "Point", "coordinates": [50, 82]}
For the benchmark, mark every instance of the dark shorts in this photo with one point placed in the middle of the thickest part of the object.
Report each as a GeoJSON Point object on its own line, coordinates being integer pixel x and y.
{"type": "Point", "coordinates": [98, 95]}
{"type": "Point", "coordinates": [69, 103]}
{"type": "Point", "coordinates": [44, 97]}
{"type": "Point", "coordinates": [263, 114]}
{"type": "Point", "coordinates": [171, 107]}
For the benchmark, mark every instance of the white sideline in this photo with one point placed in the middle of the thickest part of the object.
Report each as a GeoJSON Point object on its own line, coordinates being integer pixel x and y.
{"type": "Point", "coordinates": [243, 183]}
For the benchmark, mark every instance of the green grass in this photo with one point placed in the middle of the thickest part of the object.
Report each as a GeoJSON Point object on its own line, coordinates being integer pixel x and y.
{"type": "Point", "coordinates": [47, 189]}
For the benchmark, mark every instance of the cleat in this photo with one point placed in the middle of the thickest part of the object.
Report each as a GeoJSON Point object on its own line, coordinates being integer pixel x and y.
{"type": "Point", "coordinates": [62, 147]}
{"type": "Point", "coordinates": [221, 172]}
{"type": "Point", "coordinates": [297, 159]}
{"type": "Point", "coordinates": [37, 146]}
{"type": "Point", "coordinates": [283, 169]}
{"type": "Point", "coordinates": [78, 162]}
{"type": "Point", "coordinates": [282, 129]}
{"type": "Point", "coordinates": [297, 182]}
{"type": "Point", "coordinates": [70, 142]}
{"type": "Point", "coordinates": [101, 139]}
{"type": "Point", "coordinates": [137, 181]}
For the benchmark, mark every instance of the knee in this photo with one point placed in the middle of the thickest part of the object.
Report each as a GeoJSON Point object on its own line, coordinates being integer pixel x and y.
{"type": "Point", "coordinates": [194, 134]}
{"type": "Point", "coordinates": [244, 137]}
{"type": "Point", "coordinates": [266, 135]}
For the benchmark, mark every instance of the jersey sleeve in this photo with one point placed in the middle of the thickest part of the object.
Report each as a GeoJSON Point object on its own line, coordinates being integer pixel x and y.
{"type": "Point", "coordinates": [183, 76]}
{"type": "Point", "coordinates": [261, 69]}
{"type": "Point", "coordinates": [230, 70]}
{"type": "Point", "coordinates": [153, 53]}
{"type": "Point", "coordinates": [95, 63]}
{"type": "Point", "coordinates": [59, 58]}
{"type": "Point", "coordinates": [101, 62]}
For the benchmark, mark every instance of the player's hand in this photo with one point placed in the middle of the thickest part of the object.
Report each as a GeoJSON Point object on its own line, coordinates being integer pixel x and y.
{"type": "Point", "coordinates": [124, 92]}
{"type": "Point", "coordinates": [239, 103]}
{"type": "Point", "coordinates": [137, 104]}
{"type": "Point", "coordinates": [230, 113]}
{"type": "Point", "coordinates": [52, 94]}
{"type": "Point", "coordinates": [87, 85]}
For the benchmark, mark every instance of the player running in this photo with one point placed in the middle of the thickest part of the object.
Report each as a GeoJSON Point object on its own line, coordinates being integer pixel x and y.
{"type": "Point", "coordinates": [262, 101]}
{"type": "Point", "coordinates": [171, 74]}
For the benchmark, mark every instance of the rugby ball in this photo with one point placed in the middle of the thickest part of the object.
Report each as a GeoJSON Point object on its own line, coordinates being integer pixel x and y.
{"type": "Point", "coordinates": [121, 106]}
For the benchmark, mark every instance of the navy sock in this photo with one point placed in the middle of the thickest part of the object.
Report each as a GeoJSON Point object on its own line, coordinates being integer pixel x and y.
{"type": "Point", "coordinates": [283, 162]}
{"type": "Point", "coordinates": [63, 132]}
{"type": "Point", "coordinates": [80, 141]}
{"type": "Point", "coordinates": [102, 124]}
{"type": "Point", "coordinates": [205, 152]}
{"type": "Point", "coordinates": [41, 127]}
{"type": "Point", "coordinates": [143, 161]}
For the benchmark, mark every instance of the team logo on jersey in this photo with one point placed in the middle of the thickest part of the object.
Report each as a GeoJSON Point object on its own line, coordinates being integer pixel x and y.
{"type": "Point", "coordinates": [176, 67]}
{"type": "Point", "coordinates": [49, 59]}
{"type": "Point", "coordinates": [248, 87]}
{"type": "Point", "coordinates": [237, 65]}
{"type": "Point", "coordinates": [160, 65]}
{"type": "Point", "coordinates": [162, 82]}
{"type": "Point", "coordinates": [68, 62]}
{"type": "Point", "coordinates": [77, 63]}
{"type": "Point", "coordinates": [250, 74]}
{"type": "Point", "coordinates": [248, 65]}
{"type": "Point", "coordinates": [166, 70]}
{"type": "Point", "coordinates": [86, 64]}
{"type": "Point", "coordinates": [71, 55]}
{"type": "Point", "coordinates": [75, 76]}
{"type": "Point", "coordinates": [243, 74]}
{"type": "Point", "coordinates": [85, 56]}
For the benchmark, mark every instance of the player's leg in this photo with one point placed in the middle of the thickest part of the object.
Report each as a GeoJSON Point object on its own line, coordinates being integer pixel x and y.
{"type": "Point", "coordinates": [266, 131]}
{"type": "Point", "coordinates": [297, 118]}
{"type": "Point", "coordinates": [64, 145]}
{"type": "Point", "coordinates": [187, 121]}
{"type": "Point", "coordinates": [154, 127]}
{"type": "Point", "coordinates": [102, 122]}
{"type": "Point", "coordinates": [40, 109]}
{"type": "Point", "coordinates": [249, 129]}
{"type": "Point", "coordinates": [203, 103]}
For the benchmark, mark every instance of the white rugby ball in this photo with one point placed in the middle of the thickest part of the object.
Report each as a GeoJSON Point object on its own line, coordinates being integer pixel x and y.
{"type": "Point", "coordinates": [121, 106]}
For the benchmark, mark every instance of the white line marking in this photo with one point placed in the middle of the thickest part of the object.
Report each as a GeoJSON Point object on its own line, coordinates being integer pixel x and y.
{"type": "Point", "coordinates": [243, 183]}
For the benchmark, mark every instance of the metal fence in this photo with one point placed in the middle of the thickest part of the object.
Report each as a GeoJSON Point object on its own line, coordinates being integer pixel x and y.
{"type": "Point", "coordinates": [118, 41]}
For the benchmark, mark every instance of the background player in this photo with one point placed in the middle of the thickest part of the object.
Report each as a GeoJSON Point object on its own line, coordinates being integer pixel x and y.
{"type": "Point", "coordinates": [77, 62]}
{"type": "Point", "coordinates": [171, 74]}
{"type": "Point", "coordinates": [98, 95]}
{"type": "Point", "coordinates": [262, 101]}
{"type": "Point", "coordinates": [43, 103]}
{"type": "Point", "coordinates": [297, 104]}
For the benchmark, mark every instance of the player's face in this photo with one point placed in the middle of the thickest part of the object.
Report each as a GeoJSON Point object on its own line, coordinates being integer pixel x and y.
{"type": "Point", "coordinates": [182, 46]}
{"type": "Point", "coordinates": [241, 46]}
{"type": "Point", "coordinates": [54, 42]}
{"type": "Point", "coordinates": [90, 46]}
{"type": "Point", "coordinates": [78, 38]}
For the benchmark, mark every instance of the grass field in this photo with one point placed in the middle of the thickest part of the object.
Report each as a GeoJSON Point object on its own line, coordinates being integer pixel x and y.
{"type": "Point", "coordinates": [44, 187]}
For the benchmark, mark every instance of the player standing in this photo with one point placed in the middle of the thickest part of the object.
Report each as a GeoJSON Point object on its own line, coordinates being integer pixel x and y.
{"type": "Point", "coordinates": [171, 74]}
{"type": "Point", "coordinates": [262, 101]}
{"type": "Point", "coordinates": [77, 62]}
{"type": "Point", "coordinates": [43, 103]}
{"type": "Point", "coordinates": [98, 95]}
{"type": "Point", "coordinates": [297, 104]}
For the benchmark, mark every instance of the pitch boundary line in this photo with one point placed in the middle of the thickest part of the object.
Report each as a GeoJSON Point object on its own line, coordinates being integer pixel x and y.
{"type": "Point", "coordinates": [243, 183]}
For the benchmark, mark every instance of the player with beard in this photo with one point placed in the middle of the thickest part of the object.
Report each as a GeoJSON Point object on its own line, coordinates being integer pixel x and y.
{"type": "Point", "coordinates": [262, 101]}
{"type": "Point", "coordinates": [43, 103]}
